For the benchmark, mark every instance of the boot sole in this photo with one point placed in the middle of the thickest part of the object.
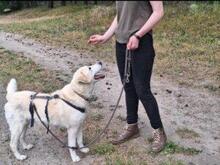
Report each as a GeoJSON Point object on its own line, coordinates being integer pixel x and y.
{"type": "Point", "coordinates": [122, 141]}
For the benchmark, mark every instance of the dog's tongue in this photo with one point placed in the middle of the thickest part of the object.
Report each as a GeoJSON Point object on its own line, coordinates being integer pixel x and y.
{"type": "Point", "coordinates": [99, 76]}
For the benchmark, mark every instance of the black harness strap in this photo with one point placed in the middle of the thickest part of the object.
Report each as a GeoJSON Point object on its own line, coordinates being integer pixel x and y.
{"type": "Point", "coordinates": [84, 97]}
{"type": "Point", "coordinates": [64, 145]}
{"type": "Point", "coordinates": [48, 98]}
{"type": "Point", "coordinates": [47, 116]}
{"type": "Point", "coordinates": [31, 108]}
{"type": "Point", "coordinates": [70, 104]}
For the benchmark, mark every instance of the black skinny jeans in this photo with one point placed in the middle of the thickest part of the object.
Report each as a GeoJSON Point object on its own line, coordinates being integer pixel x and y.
{"type": "Point", "coordinates": [138, 87]}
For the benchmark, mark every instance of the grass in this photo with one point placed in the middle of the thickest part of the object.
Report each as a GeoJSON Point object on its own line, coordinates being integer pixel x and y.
{"type": "Point", "coordinates": [71, 31]}
{"type": "Point", "coordinates": [127, 156]}
{"type": "Point", "coordinates": [186, 40]}
{"type": "Point", "coordinates": [28, 74]}
{"type": "Point", "coordinates": [97, 116]}
{"type": "Point", "coordinates": [172, 162]}
{"type": "Point", "coordinates": [186, 43]}
{"type": "Point", "coordinates": [117, 160]}
{"type": "Point", "coordinates": [172, 148]}
{"type": "Point", "coordinates": [103, 149]}
{"type": "Point", "coordinates": [192, 47]}
{"type": "Point", "coordinates": [186, 133]}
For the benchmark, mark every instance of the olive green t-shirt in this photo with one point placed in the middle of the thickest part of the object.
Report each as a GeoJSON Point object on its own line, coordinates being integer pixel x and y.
{"type": "Point", "coordinates": [131, 16]}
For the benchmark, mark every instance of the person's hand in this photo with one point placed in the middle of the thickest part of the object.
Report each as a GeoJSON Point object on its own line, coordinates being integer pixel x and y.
{"type": "Point", "coordinates": [97, 39]}
{"type": "Point", "coordinates": [132, 43]}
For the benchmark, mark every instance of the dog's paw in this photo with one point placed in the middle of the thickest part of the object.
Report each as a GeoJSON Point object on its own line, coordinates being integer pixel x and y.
{"type": "Point", "coordinates": [21, 157]}
{"type": "Point", "coordinates": [28, 146]}
{"type": "Point", "coordinates": [84, 150]}
{"type": "Point", "coordinates": [76, 159]}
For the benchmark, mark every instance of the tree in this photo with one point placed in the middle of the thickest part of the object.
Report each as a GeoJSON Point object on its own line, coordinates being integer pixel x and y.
{"type": "Point", "coordinates": [50, 4]}
{"type": "Point", "coordinates": [63, 3]}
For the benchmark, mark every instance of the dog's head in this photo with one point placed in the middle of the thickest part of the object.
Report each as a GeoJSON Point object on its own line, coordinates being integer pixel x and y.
{"type": "Point", "coordinates": [86, 76]}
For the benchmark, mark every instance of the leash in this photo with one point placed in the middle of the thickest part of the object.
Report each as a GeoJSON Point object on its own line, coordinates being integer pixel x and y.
{"type": "Point", "coordinates": [33, 108]}
{"type": "Point", "coordinates": [125, 80]}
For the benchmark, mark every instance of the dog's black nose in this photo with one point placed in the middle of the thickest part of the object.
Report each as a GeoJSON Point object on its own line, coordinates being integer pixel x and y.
{"type": "Point", "coordinates": [100, 63]}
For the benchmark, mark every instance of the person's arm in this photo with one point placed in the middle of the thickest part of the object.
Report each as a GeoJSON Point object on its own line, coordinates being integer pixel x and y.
{"type": "Point", "coordinates": [156, 16]}
{"type": "Point", "coordinates": [95, 39]}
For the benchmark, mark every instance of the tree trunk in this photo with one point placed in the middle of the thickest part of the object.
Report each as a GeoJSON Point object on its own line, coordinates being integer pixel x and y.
{"type": "Point", "coordinates": [63, 3]}
{"type": "Point", "coordinates": [95, 2]}
{"type": "Point", "coordinates": [33, 3]}
{"type": "Point", "coordinates": [86, 2]}
{"type": "Point", "coordinates": [50, 4]}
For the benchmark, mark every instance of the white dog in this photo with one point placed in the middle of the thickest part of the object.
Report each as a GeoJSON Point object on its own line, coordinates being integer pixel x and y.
{"type": "Point", "coordinates": [60, 113]}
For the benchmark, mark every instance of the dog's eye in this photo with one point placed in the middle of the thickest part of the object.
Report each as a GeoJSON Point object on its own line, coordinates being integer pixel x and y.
{"type": "Point", "coordinates": [90, 68]}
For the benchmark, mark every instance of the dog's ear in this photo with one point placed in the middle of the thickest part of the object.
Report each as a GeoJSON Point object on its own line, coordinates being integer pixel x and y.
{"type": "Point", "coordinates": [85, 78]}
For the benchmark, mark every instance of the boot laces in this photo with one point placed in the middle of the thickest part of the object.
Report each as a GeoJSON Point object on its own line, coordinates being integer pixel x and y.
{"type": "Point", "coordinates": [125, 128]}
{"type": "Point", "coordinates": [156, 136]}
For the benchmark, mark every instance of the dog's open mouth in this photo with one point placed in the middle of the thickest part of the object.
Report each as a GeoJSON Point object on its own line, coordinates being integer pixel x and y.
{"type": "Point", "coordinates": [99, 76]}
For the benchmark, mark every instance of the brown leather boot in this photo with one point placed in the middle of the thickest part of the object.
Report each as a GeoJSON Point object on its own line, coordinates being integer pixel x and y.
{"type": "Point", "coordinates": [131, 131]}
{"type": "Point", "coordinates": [159, 140]}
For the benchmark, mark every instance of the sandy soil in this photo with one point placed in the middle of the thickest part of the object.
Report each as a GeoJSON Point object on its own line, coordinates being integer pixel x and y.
{"type": "Point", "coordinates": [179, 107]}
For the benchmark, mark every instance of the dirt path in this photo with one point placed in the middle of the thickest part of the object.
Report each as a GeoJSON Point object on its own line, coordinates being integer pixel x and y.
{"type": "Point", "coordinates": [180, 107]}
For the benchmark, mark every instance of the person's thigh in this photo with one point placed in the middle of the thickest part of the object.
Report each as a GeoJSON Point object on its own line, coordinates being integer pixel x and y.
{"type": "Point", "coordinates": [142, 61]}
{"type": "Point", "coordinates": [120, 58]}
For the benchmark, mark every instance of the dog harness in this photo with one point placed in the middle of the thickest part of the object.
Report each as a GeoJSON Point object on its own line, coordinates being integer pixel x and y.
{"type": "Point", "coordinates": [33, 108]}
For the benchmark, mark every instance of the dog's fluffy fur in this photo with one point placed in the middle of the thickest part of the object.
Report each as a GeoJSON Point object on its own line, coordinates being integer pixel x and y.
{"type": "Point", "coordinates": [60, 114]}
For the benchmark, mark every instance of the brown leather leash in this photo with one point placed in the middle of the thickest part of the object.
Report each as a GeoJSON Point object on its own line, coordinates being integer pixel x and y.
{"type": "Point", "coordinates": [96, 138]}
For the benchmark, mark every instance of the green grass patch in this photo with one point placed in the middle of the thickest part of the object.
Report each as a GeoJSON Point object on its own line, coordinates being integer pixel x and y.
{"type": "Point", "coordinates": [172, 162]}
{"type": "Point", "coordinates": [172, 148]}
{"type": "Point", "coordinates": [104, 148]}
{"type": "Point", "coordinates": [118, 161]}
{"type": "Point", "coordinates": [186, 133]}
{"type": "Point", "coordinates": [29, 75]}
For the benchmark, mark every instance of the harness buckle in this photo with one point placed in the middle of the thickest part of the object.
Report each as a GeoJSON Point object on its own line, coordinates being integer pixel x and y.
{"type": "Point", "coordinates": [56, 96]}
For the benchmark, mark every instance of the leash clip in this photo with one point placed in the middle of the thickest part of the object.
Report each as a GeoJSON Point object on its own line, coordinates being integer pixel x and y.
{"type": "Point", "coordinates": [56, 96]}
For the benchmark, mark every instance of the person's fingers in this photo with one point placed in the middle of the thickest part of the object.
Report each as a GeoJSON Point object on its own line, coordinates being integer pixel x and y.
{"type": "Point", "coordinates": [95, 42]}
{"type": "Point", "coordinates": [96, 39]}
{"type": "Point", "coordinates": [133, 47]}
{"type": "Point", "coordinates": [128, 45]}
{"type": "Point", "coordinates": [93, 36]}
{"type": "Point", "coordinates": [92, 40]}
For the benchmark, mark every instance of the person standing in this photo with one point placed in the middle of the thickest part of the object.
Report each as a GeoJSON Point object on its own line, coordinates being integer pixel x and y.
{"type": "Point", "coordinates": [132, 27]}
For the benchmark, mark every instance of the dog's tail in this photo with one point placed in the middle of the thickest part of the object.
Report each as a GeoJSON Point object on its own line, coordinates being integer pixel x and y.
{"type": "Point", "coordinates": [11, 88]}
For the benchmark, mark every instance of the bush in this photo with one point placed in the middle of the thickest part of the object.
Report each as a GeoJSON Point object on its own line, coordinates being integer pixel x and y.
{"type": "Point", "coordinates": [3, 5]}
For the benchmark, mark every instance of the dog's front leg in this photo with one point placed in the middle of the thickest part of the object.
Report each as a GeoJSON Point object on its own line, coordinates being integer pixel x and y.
{"type": "Point", "coordinates": [80, 141]}
{"type": "Point", "coordinates": [72, 132]}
